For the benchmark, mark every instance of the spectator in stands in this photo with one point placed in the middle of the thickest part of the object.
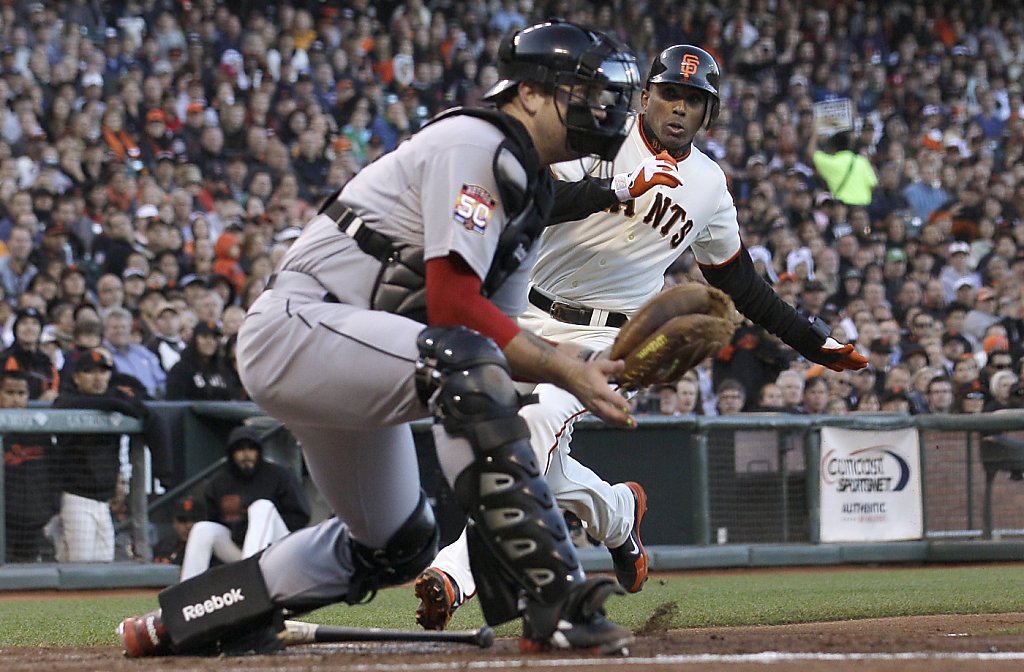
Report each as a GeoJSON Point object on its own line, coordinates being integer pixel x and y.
{"type": "Point", "coordinates": [90, 463]}
{"type": "Point", "coordinates": [170, 549]}
{"type": "Point", "coordinates": [25, 355]}
{"type": "Point", "coordinates": [133, 285]}
{"type": "Point", "coordinates": [201, 374]}
{"type": "Point", "coordinates": [250, 503]}
{"type": "Point", "coordinates": [667, 400]}
{"type": "Point", "coordinates": [131, 358]}
{"type": "Point", "coordinates": [31, 485]}
{"type": "Point", "coordinates": [770, 399]}
{"type": "Point", "coordinates": [1000, 388]}
{"type": "Point", "coordinates": [166, 342]}
{"type": "Point", "coordinates": [16, 271]}
{"type": "Point", "coordinates": [925, 194]}
{"type": "Point", "coordinates": [115, 243]}
{"type": "Point", "coordinates": [731, 397]}
{"type": "Point", "coordinates": [965, 372]}
{"type": "Point", "coordinates": [791, 383]}
{"type": "Point", "coordinates": [939, 395]}
{"type": "Point", "coordinates": [849, 176]}
{"type": "Point", "coordinates": [109, 293]}
{"type": "Point", "coordinates": [896, 401]}
{"type": "Point", "coordinates": [74, 287]}
{"type": "Point", "coordinates": [958, 273]}
{"type": "Point", "coordinates": [868, 403]}
{"type": "Point", "coordinates": [688, 392]}
{"type": "Point", "coordinates": [86, 336]}
{"type": "Point", "coordinates": [816, 395]}
{"type": "Point", "coordinates": [971, 400]}
{"type": "Point", "coordinates": [998, 360]}
{"type": "Point", "coordinates": [982, 315]}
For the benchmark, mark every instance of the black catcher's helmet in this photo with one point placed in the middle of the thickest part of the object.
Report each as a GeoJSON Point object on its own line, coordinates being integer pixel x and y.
{"type": "Point", "coordinates": [601, 73]}
{"type": "Point", "coordinates": [690, 66]}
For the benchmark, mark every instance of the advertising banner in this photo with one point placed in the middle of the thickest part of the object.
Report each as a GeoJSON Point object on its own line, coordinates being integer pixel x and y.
{"type": "Point", "coordinates": [870, 485]}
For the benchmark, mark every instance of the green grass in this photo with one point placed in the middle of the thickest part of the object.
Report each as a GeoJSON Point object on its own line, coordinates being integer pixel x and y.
{"type": "Point", "coordinates": [711, 599]}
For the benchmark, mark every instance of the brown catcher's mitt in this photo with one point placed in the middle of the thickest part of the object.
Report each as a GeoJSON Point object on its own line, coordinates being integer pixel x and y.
{"type": "Point", "coordinates": [672, 333]}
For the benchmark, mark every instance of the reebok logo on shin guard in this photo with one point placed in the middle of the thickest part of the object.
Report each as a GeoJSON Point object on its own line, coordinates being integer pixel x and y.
{"type": "Point", "coordinates": [214, 603]}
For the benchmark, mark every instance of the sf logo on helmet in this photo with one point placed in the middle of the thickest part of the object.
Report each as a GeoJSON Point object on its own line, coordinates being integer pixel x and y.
{"type": "Point", "coordinates": [689, 65]}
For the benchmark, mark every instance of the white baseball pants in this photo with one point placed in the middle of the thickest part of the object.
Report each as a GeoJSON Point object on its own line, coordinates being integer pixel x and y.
{"type": "Point", "coordinates": [208, 539]}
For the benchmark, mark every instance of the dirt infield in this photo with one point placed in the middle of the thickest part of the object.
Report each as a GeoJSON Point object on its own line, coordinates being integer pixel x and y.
{"type": "Point", "coordinates": [992, 643]}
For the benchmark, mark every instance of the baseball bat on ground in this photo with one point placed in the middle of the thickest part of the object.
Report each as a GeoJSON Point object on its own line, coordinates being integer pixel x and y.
{"type": "Point", "coordinates": [299, 632]}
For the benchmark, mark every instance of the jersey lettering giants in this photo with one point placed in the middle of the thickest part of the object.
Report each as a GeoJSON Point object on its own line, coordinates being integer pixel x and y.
{"type": "Point", "coordinates": [664, 210]}
{"type": "Point", "coordinates": [629, 248]}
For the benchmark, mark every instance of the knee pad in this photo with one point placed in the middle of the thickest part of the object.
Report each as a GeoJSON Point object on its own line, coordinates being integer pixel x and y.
{"type": "Point", "coordinates": [465, 378]}
{"type": "Point", "coordinates": [513, 515]}
{"type": "Point", "coordinates": [407, 553]}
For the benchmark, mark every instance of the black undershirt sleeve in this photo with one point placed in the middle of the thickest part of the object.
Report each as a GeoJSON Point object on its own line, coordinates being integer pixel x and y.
{"type": "Point", "coordinates": [758, 301]}
{"type": "Point", "coordinates": [577, 200]}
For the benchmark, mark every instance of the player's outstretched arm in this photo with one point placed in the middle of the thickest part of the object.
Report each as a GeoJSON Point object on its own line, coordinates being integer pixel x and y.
{"type": "Point", "coordinates": [753, 297]}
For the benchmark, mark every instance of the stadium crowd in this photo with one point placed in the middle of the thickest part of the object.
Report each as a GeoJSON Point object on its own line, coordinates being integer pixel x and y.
{"type": "Point", "coordinates": [157, 158]}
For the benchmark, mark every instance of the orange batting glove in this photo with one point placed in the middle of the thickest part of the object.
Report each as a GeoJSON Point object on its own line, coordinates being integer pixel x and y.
{"type": "Point", "coordinates": [841, 357]}
{"type": "Point", "coordinates": [653, 171]}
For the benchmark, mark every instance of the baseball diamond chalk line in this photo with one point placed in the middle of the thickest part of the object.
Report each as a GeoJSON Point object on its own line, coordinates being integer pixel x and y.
{"type": "Point", "coordinates": [767, 657]}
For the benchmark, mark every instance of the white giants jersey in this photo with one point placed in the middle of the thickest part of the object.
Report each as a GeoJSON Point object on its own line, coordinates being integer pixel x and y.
{"type": "Point", "coordinates": [616, 260]}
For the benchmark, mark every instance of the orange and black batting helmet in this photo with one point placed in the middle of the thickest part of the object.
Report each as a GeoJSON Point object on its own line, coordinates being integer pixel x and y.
{"type": "Point", "coordinates": [690, 66]}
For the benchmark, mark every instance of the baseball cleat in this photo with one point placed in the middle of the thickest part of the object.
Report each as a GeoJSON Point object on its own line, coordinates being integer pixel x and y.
{"type": "Point", "coordinates": [630, 559]}
{"type": "Point", "coordinates": [144, 635]}
{"type": "Point", "coordinates": [582, 625]}
{"type": "Point", "coordinates": [439, 598]}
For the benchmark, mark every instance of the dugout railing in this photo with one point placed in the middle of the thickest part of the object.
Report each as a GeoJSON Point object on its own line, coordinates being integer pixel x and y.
{"type": "Point", "coordinates": [735, 490]}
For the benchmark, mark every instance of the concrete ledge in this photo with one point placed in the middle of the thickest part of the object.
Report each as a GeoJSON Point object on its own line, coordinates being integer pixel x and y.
{"type": "Point", "coordinates": [696, 557]}
{"type": "Point", "coordinates": [29, 577]}
{"type": "Point", "coordinates": [974, 551]}
{"type": "Point", "coordinates": [86, 576]}
{"type": "Point", "coordinates": [900, 551]}
{"type": "Point", "coordinates": [124, 575]}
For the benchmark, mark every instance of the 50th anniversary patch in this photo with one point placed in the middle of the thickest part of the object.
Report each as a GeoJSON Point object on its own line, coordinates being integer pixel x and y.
{"type": "Point", "coordinates": [474, 207]}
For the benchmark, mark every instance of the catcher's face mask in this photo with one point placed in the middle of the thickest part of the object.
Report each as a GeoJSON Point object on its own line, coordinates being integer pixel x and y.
{"type": "Point", "coordinates": [598, 104]}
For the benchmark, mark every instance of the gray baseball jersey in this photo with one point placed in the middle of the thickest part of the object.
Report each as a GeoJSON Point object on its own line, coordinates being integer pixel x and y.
{"type": "Point", "coordinates": [443, 179]}
{"type": "Point", "coordinates": [340, 376]}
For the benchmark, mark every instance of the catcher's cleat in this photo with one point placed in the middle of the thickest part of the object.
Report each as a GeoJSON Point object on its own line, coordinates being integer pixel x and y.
{"type": "Point", "coordinates": [439, 598]}
{"type": "Point", "coordinates": [144, 635]}
{"type": "Point", "coordinates": [582, 625]}
{"type": "Point", "coordinates": [630, 559]}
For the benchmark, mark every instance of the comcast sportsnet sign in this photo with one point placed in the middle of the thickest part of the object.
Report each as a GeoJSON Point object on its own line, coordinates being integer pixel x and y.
{"type": "Point", "coordinates": [870, 484]}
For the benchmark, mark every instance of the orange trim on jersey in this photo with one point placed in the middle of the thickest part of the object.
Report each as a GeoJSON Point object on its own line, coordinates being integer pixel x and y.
{"type": "Point", "coordinates": [728, 261]}
{"type": "Point", "coordinates": [652, 150]}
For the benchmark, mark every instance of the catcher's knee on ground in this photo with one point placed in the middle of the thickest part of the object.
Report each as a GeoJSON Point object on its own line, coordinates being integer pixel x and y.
{"type": "Point", "coordinates": [515, 526]}
{"type": "Point", "coordinates": [212, 612]}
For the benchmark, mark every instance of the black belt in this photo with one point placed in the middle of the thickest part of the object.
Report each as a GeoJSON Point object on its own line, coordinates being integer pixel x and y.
{"type": "Point", "coordinates": [563, 312]}
{"type": "Point", "coordinates": [375, 244]}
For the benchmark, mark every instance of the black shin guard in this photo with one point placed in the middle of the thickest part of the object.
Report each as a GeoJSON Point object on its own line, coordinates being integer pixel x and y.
{"type": "Point", "coordinates": [517, 536]}
{"type": "Point", "coordinates": [210, 612]}
{"type": "Point", "coordinates": [407, 553]}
